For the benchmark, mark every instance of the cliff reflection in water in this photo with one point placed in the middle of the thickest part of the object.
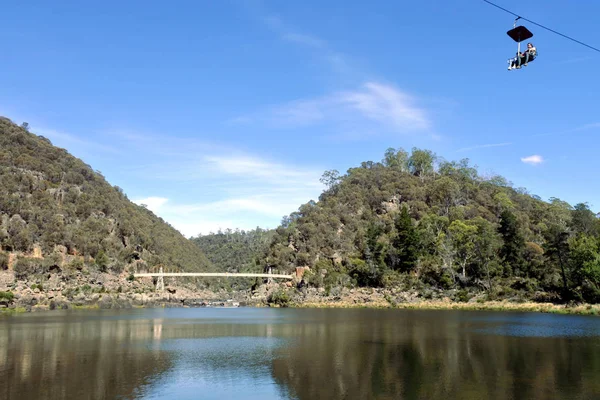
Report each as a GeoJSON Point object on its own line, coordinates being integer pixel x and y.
{"type": "Point", "coordinates": [59, 357]}
{"type": "Point", "coordinates": [366, 354]}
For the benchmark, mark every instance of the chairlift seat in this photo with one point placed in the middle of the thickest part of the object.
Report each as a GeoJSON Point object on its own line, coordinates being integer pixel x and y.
{"type": "Point", "coordinates": [519, 33]}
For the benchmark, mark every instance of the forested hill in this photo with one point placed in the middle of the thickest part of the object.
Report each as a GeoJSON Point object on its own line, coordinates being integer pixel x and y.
{"type": "Point", "coordinates": [53, 202]}
{"type": "Point", "coordinates": [236, 250]}
{"type": "Point", "coordinates": [414, 220]}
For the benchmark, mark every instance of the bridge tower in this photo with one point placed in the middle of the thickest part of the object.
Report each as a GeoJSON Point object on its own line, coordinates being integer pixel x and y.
{"type": "Point", "coordinates": [160, 282]}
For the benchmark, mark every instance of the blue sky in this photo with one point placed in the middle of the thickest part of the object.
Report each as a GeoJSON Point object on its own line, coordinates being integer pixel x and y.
{"type": "Point", "coordinates": [225, 114]}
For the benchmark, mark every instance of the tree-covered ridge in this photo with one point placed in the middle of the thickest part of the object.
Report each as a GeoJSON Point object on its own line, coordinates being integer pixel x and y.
{"type": "Point", "coordinates": [52, 200]}
{"type": "Point", "coordinates": [419, 221]}
{"type": "Point", "coordinates": [235, 250]}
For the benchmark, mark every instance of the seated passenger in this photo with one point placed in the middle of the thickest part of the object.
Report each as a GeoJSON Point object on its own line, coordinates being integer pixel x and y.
{"type": "Point", "coordinates": [524, 57]}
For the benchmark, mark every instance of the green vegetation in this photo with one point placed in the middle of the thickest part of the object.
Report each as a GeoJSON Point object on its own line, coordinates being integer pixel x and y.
{"type": "Point", "coordinates": [236, 251]}
{"type": "Point", "coordinates": [416, 221]}
{"type": "Point", "coordinates": [55, 202]}
{"type": "Point", "coordinates": [6, 296]}
{"type": "Point", "coordinates": [279, 298]}
{"type": "Point", "coordinates": [412, 221]}
{"type": "Point", "coordinates": [3, 261]}
{"type": "Point", "coordinates": [38, 286]}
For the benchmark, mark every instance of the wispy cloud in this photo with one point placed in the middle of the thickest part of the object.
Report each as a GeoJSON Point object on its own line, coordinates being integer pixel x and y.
{"type": "Point", "coordinates": [306, 40]}
{"type": "Point", "coordinates": [386, 104]}
{"type": "Point", "coordinates": [373, 103]}
{"type": "Point", "coordinates": [593, 125]}
{"type": "Point", "coordinates": [338, 62]}
{"type": "Point", "coordinates": [349, 113]}
{"type": "Point", "coordinates": [572, 60]}
{"type": "Point", "coordinates": [269, 172]}
{"type": "Point", "coordinates": [533, 160]}
{"type": "Point", "coordinates": [484, 146]}
{"type": "Point", "coordinates": [198, 185]}
{"type": "Point", "coordinates": [154, 204]}
{"type": "Point", "coordinates": [83, 142]}
{"type": "Point", "coordinates": [228, 190]}
{"type": "Point", "coordinates": [584, 127]}
{"type": "Point", "coordinates": [70, 141]}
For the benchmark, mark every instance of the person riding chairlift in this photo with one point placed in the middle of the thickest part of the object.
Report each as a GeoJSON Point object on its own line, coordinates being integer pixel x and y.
{"type": "Point", "coordinates": [523, 58]}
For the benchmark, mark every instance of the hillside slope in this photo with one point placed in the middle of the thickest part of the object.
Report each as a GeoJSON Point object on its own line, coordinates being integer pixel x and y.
{"type": "Point", "coordinates": [418, 222]}
{"type": "Point", "coordinates": [53, 205]}
{"type": "Point", "coordinates": [236, 250]}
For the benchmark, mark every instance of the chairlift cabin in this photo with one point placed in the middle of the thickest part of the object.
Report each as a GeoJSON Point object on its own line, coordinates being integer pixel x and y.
{"type": "Point", "coordinates": [519, 34]}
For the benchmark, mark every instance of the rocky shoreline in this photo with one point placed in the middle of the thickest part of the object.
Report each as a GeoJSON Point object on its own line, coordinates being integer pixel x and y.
{"type": "Point", "coordinates": [109, 291]}
{"type": "Point", "coordinates": [103, 291]}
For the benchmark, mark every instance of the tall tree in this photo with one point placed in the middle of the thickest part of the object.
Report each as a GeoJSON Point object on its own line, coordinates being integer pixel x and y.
{"type": "Point", "coordinates": [330, 178]}
{"type": "Point", "coordinates": [463, 235]}
{"type": "Point", "coordinates": [420, 162]}
{"type": "Point", "coordinates": [556, 235]}
{"type": "Point", "coordinates": [514, 244]}
{"type": "Point", "coordinates": [487, 244]}
{"type": "Point", "coordinates": [584, 257]}
{"type": "Point", "coordinates": [405, 244]}
{"type": "Point", "coordinates": [446, 192]}
{"type": "Point", "coordinates": [396, 159]}
{"type": "Point", "coordinates": [584, 220]}
{"type": "Point", "coordinates": [374, 251]}
{"type": "Point", "coordinates": [557, 251]}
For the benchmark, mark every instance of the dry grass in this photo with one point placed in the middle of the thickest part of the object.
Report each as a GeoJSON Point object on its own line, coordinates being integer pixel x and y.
{"type": "Point", "coordinates": [584, 309]}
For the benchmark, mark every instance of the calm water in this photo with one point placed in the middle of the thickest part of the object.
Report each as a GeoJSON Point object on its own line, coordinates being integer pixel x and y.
{"type": "Point", "coordinates": [298, 354]}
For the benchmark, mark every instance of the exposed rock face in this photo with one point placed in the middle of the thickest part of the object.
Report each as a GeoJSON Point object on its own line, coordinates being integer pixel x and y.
{"type": "Point", "coordinates": [392, 205]}
{"type": "Point", "coordinates": [106, 291]}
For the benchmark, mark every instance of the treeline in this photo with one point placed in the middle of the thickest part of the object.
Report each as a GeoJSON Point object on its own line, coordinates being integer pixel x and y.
{"type": "Point", "coordinates": [54, 201]}
{"type": "Point", "coordinates": [417, 221]}
{"type": "Point", "coordinates": [235, 250]}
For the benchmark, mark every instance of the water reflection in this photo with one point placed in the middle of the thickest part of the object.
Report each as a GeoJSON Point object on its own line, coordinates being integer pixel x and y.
{"type": "Point", "coordinates": [440, 355]}
{"type": "Point", "coordinates": [300, 354]}
{"type": "Point", "coordinates": [51, 358]}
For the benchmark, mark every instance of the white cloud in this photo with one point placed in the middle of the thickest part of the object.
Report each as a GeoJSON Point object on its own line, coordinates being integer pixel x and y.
{"type": "Point", "coordinates": [373, 103]}
{"type": "Point", "coordinates": [231, 190]}
{"type": "Point", "coordinates": [484, 146]}
{"type": "Point", "coordinates": [268, 172]}
{"type": "Point", "coordinates": [533, 160]}
{"type": "Point", "coordinates": [153, 203]}
{"type": "Point", "coordinates": [245, 213]}
{"type": "Point", "coordinates": [300, 112]}
{"type": "Point", "coordinates": [386, 104]}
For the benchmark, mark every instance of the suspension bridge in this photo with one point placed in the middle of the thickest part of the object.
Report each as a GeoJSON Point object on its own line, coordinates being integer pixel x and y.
{"type": "Point", "coordinates": [160, 283]}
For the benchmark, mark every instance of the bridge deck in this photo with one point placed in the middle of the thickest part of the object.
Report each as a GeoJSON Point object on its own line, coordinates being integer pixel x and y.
{"type": "Point", "coordinates": [215, 274]}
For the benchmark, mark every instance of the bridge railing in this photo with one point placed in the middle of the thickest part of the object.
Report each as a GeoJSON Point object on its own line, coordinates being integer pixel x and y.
{"type": "Point", "coordinates": [213, 274]}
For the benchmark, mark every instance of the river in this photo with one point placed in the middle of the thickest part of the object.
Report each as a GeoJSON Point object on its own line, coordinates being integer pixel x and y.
{"type": "Point", "coordinates": [257, 353]}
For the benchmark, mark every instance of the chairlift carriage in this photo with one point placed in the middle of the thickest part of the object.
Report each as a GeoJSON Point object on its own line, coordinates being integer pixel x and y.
{"type": "Point", "coordinates": [519, 34]}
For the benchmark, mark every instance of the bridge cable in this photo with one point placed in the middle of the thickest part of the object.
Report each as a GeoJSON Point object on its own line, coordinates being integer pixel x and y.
{"type": "Point", "coordinates": [542, 26]}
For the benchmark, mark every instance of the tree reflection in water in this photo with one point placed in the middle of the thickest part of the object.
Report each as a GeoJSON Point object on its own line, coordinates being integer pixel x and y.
{"type": "Point", "coordinates": [303, 354]}
{"type": "Point", "coordinates": [43, 358]}
{"type": "Point", "coordinates": [387, 354]}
